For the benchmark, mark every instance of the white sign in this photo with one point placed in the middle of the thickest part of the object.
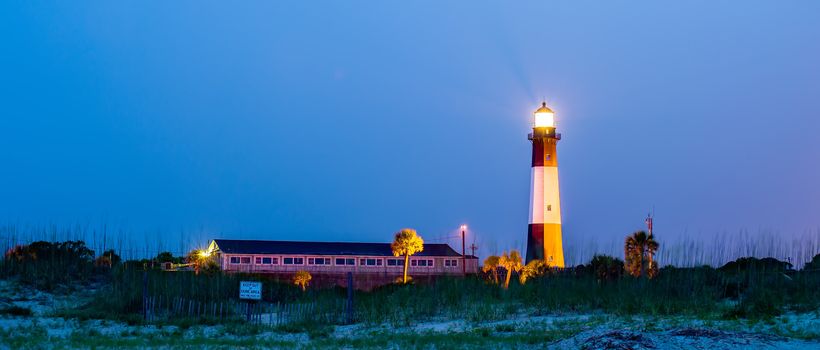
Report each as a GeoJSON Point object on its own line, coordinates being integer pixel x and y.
{"type": "Point", "coordinates": [250, 290]}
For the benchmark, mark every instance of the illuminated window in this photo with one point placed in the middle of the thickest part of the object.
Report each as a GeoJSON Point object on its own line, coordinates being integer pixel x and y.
{"type": "Point", "coordinates": [549, 207]}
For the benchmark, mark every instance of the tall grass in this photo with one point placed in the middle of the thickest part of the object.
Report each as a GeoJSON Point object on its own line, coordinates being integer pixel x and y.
{"type": "Point", "coordinates": [748, 291]}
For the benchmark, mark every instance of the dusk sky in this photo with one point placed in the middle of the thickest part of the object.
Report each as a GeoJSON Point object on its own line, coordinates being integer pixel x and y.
{"type": "Point", "coordinates": [349, 120]}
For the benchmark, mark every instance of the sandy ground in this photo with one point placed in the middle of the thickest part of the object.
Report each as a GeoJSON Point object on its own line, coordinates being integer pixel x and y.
{"type": "Point", "coordinates": [586, 331]}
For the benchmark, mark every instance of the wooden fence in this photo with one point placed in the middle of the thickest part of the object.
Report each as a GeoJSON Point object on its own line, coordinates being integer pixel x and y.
{"type": "Point", "coordinates": [261, 313]}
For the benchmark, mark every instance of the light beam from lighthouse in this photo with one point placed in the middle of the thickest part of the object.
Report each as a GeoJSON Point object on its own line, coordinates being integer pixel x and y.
{"type": "Point", "coordinates": [544, 241]}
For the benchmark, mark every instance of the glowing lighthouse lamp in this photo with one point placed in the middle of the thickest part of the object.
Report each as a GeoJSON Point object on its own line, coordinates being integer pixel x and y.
{"type": "Point", "coordinates": [544, 240]}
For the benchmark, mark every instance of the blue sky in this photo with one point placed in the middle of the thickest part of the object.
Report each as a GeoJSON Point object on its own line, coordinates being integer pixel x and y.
{"type": "Point", "coordinates": [348, 120]}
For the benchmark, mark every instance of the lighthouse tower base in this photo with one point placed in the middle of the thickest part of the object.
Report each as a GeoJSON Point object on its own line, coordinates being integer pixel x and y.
{"type": "Point", "coordinates": [544, 242]}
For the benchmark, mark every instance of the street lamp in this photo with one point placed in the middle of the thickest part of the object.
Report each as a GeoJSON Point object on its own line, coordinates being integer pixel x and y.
{"type": "Point", "coordinates": [463, 248]}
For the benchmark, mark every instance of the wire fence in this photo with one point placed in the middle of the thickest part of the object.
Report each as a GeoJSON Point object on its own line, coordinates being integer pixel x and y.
{"type": "Point", "coordinates": [159, 308]}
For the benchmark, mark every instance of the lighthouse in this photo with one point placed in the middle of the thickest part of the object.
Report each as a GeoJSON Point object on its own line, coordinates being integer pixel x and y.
{"type": "Point", "coordinates": [544, 240]}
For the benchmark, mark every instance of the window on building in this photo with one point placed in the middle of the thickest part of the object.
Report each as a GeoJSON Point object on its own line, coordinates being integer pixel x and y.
{"type": "Point", "coordinates": [549, 207]}
{"type": "Point", "coordinates": [274, 261]}
{"type": "Point", "coordinates": [343, 261]}
{"type": "Point", "coordinates": [245, 260]}
{"type": "Point", "coordinates": [421, 262]}
{"type": "Point", "coordinates": [267, 261]}
{"type": "Point", "coordinates": [234, 260]}
{"type": "Point", "coordinates": [318, 261]}
{"type": "Point", "coordinates": [258, 260]}
{"type": "Point", "coordinates": [451, 262]}
{"type": "Point", "coordinates": [370, 262]}
{"type": "Point", "coordinates": [293, 261]}
{"type": "Point", "coordinates": [395, 262]}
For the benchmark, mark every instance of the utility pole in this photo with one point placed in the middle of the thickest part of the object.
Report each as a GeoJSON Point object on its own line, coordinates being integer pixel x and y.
{"type": "Point", "coordinates": [473, 247]}
{"type": "Point", "coordinates": [463, 250]}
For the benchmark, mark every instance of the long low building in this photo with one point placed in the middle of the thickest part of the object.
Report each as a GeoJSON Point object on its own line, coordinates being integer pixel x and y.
{"type": "Point", "coordinates": [283, 257]}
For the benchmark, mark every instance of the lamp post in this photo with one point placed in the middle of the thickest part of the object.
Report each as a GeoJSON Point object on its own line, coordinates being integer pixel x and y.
{"type": "Point", "coordinates": [463, 250]}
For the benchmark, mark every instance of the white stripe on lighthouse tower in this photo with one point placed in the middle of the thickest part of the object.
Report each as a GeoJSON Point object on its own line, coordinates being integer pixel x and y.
{"type": "Point", "coordinates": [545, 201]}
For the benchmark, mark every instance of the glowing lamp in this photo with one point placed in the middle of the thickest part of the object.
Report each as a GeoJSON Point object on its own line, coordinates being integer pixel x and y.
{"type": "Point", "coordinates": [544, 117]}
{"type": "Point", "coordinates": [463, 227]}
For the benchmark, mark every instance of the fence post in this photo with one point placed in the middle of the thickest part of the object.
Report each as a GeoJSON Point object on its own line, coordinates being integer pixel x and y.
{"type": "Point", "coordinates": [145, 295]}
{"type": "Point", "coordinates": [349, 298]}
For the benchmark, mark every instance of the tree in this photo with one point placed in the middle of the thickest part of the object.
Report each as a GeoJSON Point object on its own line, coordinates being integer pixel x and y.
{"type": "Point", "coordinates": [406, 243]}
{"type": "Point", "coordinates": [200, 260]}
{"type": "Point", "coordinates": [109, 258]}
{"type": "Point", "coordinates": [491, 266]}
{"type": "Point", "coordinates": [813, 265]}
{"type": "Point", "coordinates": [166, 257]}
{"type": "Point", "coordinates": [639, 250]}
{"type": "Point", "coordinates": [301, 279]}
{"type": "Point", "coordinates": [535, 268]}
{"type": "Point", "coordinates": [512, 263]}
{"type": "Point", "coordinates": [606, 268]}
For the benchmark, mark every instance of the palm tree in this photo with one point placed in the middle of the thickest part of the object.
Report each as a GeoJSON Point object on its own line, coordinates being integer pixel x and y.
{"type": "Point", "coordinates": [301, 279]}
{"type": "Point", "coordinates": [491, 266]}
{"type": "Point", "coordinates": [512, 263]}
{"type": "Point", "coordinates": [406, 243]}
{"type": "Point", "coordinates": [639, 250]}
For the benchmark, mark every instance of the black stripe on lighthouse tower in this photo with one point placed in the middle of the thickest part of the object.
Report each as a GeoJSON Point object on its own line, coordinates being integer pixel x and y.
{"type": "Point", "coordinates": [535, 242]}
